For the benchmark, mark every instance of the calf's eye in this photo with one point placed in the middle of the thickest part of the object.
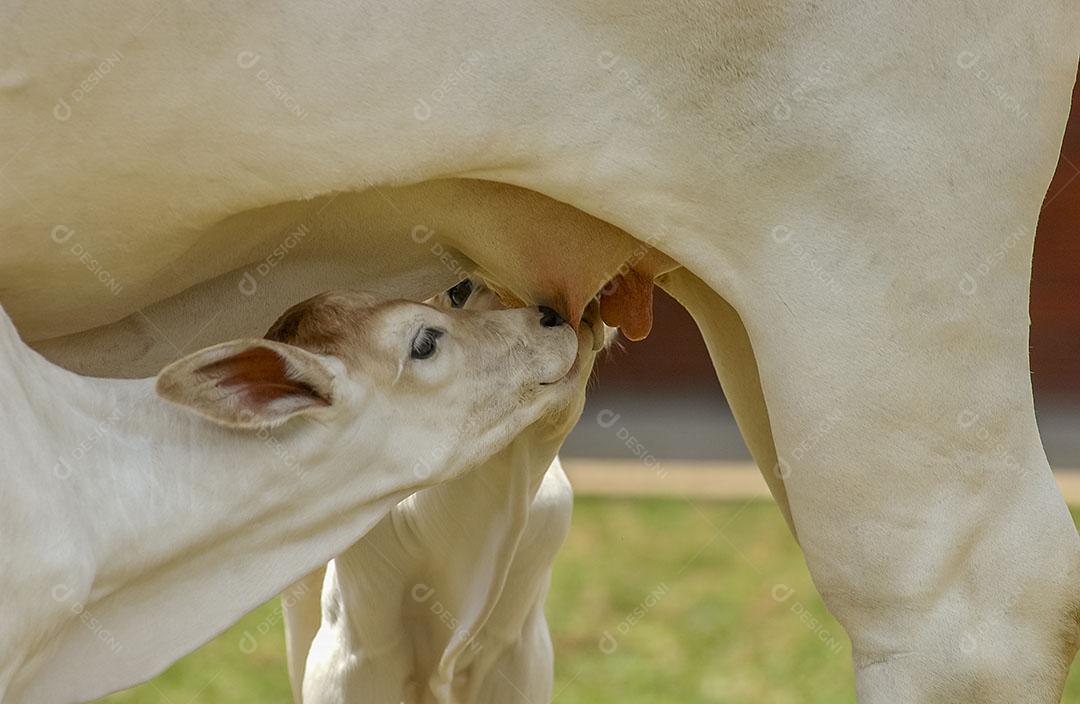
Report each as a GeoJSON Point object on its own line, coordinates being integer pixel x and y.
{"type": "Point", "coordinates": [425, 342]}
{"type": "Point", "coordinates": [459, 294]}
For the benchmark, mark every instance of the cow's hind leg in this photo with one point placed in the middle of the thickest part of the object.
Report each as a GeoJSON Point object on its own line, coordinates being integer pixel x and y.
{"type": "Point", "coordinates": [923, 501]}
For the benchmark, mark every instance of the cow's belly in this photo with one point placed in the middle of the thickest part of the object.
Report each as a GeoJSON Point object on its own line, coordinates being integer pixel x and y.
{"type": "Point", "coordinates": [235, 277]}
{"type": "Point", "coordinates": [246, 260]}
{"type": "Point", "coordinates": [180, 166]}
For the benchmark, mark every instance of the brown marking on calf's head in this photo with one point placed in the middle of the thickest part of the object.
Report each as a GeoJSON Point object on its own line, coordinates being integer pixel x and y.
{"type": "Point", "coordinates": [247, 383]}
{"type": "Point", "coordinates": [330, 323]}
{"type": "Point", "coordinates": [342, 352]}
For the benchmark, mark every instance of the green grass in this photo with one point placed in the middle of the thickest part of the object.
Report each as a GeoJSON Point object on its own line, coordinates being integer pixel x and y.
{"type": "Point", "coordinates": [711, 631]}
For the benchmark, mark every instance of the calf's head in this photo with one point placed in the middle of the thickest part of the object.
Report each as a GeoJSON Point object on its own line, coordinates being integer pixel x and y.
{"type": "Point", "coordinates": [593, 335]}
{"type": "Point", "coordinates": [451, 385]}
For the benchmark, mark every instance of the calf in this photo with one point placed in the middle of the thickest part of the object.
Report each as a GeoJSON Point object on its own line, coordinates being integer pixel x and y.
{"type": "Point", "coordinates": [443, 601]}
{"type": "Point", "coordinates": [135, 529]}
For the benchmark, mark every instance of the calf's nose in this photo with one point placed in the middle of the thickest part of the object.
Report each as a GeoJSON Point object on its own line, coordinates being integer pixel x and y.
{"type": "Point", "coordinates": [549, 318]}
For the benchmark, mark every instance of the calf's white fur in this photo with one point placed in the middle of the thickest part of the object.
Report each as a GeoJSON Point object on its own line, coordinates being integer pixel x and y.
{"type": "Point", "coordinates": [443, 601]}
{"type": "Point", "coordinates": [134, 529]}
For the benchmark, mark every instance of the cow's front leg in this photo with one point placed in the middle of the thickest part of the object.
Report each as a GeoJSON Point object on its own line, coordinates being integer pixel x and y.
{"type": "Point", "coordinates": [901, 409]}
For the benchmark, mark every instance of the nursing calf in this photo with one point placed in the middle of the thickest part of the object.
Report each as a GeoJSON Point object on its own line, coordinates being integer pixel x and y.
{"type": "Point", "coordinates": [174, 519]}
{"type": "Point", "coordinates": [443, 601]}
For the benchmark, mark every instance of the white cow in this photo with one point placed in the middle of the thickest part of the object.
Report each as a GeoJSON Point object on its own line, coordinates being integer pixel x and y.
{"type": "Point", "coordinates": [133, 528]}
{"type": "Point", "coordinates": [443, 600]}
{"type": "Point", "coordinates": [851, 189]}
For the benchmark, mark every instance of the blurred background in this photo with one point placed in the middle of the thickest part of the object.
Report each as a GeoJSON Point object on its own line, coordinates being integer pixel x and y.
{"type": "Point", "coordinates": [679, 581]}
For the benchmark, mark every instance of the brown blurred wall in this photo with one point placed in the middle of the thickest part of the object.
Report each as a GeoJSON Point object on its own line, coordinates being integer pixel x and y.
{"type": "Point", "coordinates": [1055, 285]}
{"type": "Point", "coordinates": [674, 358]}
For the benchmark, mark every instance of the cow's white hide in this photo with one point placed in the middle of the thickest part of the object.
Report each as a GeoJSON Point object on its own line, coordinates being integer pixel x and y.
{"type": "Point", "coordinates": [900, 152]}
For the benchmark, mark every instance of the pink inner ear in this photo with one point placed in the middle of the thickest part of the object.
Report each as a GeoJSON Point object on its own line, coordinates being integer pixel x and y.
{"type": "Point", "coordinates": [261, 375]}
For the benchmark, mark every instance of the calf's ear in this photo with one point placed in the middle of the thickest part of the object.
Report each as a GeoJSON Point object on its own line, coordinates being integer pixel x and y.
{"type": "Point", "coordinates": [248, 383]}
